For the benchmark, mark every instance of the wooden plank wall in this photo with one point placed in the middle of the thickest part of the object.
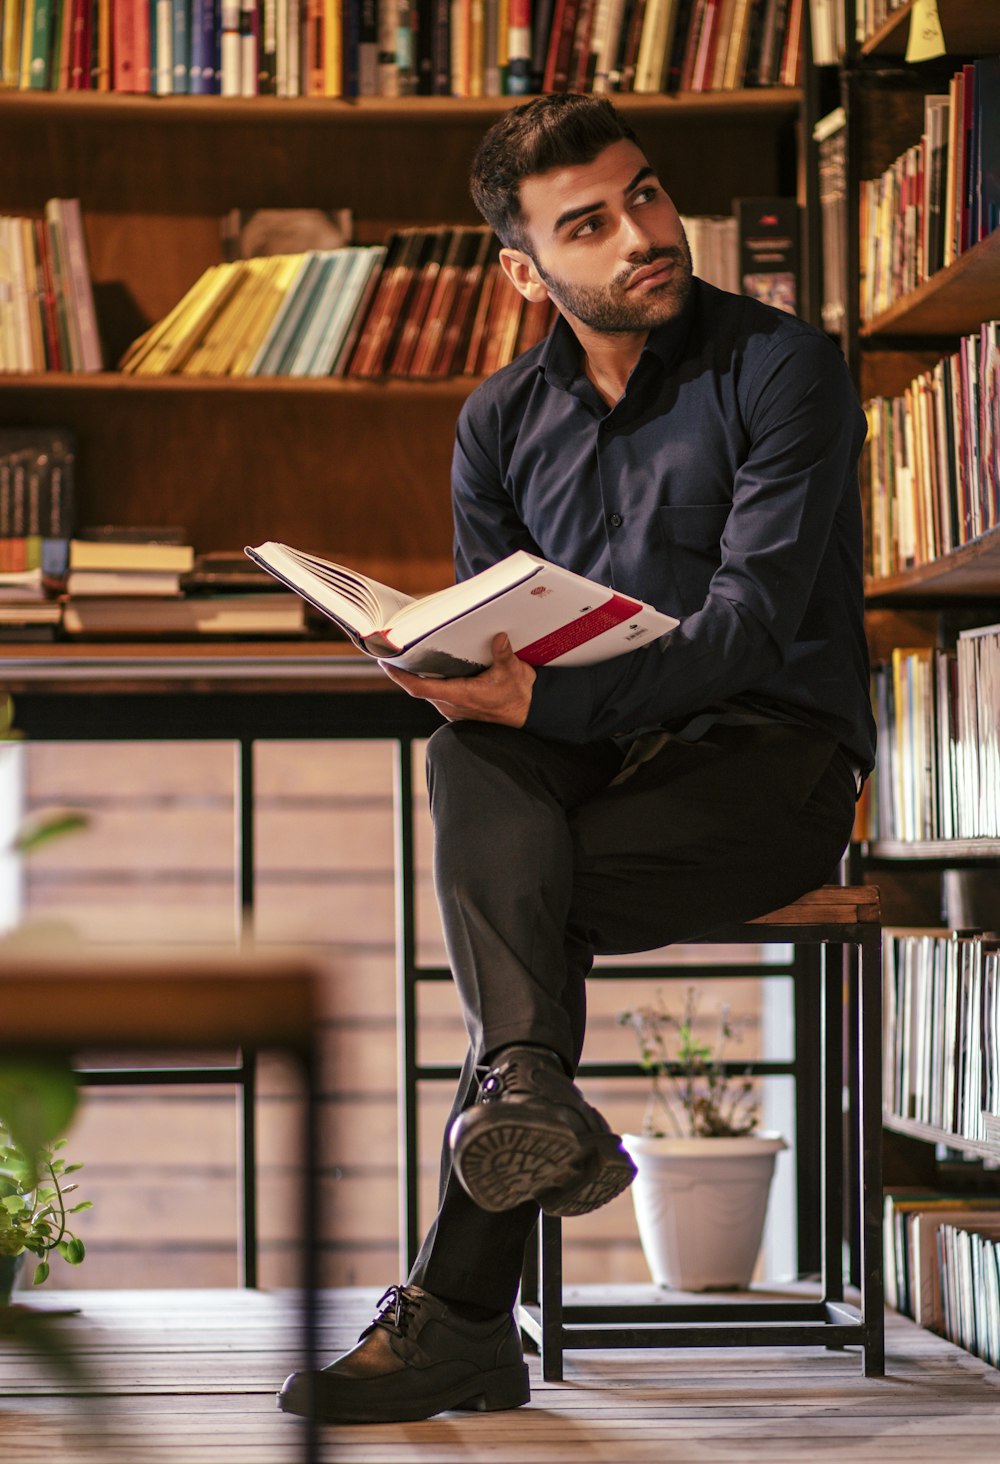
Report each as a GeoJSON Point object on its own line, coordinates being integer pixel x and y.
{"type": "Point", "coordinates": [157, 865]}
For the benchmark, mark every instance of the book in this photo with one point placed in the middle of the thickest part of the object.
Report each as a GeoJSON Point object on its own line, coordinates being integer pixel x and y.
{"type": "Point", "coordinates": [151, 555]}
{"type": "Point", "coordinates": [552, 616]}
{"type": "Point", "coordinates": [769, 250]}
{"type": "Point", "coordinates": [191, 615]}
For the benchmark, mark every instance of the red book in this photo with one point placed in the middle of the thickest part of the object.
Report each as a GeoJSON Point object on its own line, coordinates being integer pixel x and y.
{"type": "Point", "coordinates": [560, 51]}
{"type": "Point", "coordinates": [80, 43]}
{"type": "Point", "coordinates": [123, 47]}
{"type": "Point", "coordinates": [457, 335]}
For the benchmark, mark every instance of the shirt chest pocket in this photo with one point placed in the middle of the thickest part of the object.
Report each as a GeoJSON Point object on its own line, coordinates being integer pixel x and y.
{"type": "Point", "coordinates": [692, 533]}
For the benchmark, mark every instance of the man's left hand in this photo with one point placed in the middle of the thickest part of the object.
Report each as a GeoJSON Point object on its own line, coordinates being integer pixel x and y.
{"type": "Point", "coordinates": [501, 693]}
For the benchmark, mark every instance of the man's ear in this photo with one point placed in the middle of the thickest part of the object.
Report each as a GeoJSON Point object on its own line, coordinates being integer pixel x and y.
{"type": "Point", "coordinates": [520, 270]}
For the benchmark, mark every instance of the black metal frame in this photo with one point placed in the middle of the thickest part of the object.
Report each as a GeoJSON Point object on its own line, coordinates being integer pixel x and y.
{"type": "Point", "coordinates": [825, 1321]}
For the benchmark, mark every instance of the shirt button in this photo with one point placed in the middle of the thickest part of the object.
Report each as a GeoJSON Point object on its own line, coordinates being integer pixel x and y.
{"type": "Point", "coordinates": [615, 520]}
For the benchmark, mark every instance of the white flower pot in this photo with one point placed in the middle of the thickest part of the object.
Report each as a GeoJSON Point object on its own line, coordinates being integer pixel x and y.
{"type": "Point", "coordinates": [700, 1206]}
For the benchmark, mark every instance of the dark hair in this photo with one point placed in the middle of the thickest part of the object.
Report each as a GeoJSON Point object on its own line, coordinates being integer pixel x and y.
{"type": "Point", "coordinates": [558, 131]}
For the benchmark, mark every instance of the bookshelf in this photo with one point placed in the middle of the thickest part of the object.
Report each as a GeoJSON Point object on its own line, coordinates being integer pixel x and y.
{"type": "Point", "coordinates": [348, 468]}
{"type": "Point", "coordinates": [928, 885]}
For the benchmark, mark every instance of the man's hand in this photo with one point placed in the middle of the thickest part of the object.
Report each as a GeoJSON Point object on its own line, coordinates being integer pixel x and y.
{"type": "Point", "coordinates": [501, 693]}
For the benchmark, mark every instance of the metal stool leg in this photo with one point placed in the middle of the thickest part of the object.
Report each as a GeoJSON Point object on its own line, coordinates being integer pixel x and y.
{"type": "Point", "coordinates": [869, 1100]}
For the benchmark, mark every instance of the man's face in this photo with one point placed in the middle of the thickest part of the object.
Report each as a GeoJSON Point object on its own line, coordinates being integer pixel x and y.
{"type": "Point", "coordinates": [607, 242]}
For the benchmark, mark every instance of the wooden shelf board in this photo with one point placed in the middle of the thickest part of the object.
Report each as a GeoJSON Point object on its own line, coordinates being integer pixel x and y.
{"type": "Point", "coordinates": [972, 570]}
{"type": "Point", "coordinates": [77, 107]}
{"type": "Point", "coordinates": [911, 849]}
{"type": "Point", "coordinates": [968, 26]}
{"type": "Point", "coordinates": [953, 302]}
{"type": "Point", "coordinates": [908, 1126]}
{"type": "Point", "coordinates": [452, 387]}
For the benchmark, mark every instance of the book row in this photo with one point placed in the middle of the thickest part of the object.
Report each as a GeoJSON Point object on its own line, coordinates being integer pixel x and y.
{"type": "Point", "coordinates": [47, 316]}
{"type": "Point", "coordinates": [37, 502]}
{"type": "Point", "coordinates": [933, 458]}
{"type": "Point", "coordinates": [937, 773]}
{"type": "Point", "coordinates": [942, 1265]}
{"type": "Point", "coordinates": [428, 303]}
{"type": "Point", "coordinates": [349, 48]}
{"type": "Point", "coordinates": [942, 1031]}
{"type": "Point", "coordinates": [940, 197]}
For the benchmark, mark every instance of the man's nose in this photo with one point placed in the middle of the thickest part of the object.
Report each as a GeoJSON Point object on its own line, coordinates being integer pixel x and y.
{"type": "Point", "coordinates": [633, 237]}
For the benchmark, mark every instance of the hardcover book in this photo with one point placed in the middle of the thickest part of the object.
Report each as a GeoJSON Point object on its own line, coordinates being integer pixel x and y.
{"type": "Point", "coordinates": [552, 616]}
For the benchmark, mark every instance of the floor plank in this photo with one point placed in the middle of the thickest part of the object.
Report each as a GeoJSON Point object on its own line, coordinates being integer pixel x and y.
{"type": "Point", "coordinates": [189, 1377]}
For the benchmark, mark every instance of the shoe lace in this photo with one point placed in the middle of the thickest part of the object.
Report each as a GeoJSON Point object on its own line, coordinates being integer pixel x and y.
{"type": "Point", "coordinates": [395, 1308]}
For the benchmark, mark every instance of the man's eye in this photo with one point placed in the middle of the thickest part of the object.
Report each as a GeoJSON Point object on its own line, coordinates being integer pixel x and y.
{"type": "Point", "coordinates": [589, 226]}
{"type": "Point", "coordinates": [646, 195]}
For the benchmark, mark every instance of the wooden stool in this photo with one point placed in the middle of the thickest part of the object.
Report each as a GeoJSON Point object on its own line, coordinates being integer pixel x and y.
{"type": "Point", "coordinates": [60, 1002]}
{"type": "Point", "coordinates": [842, 916]}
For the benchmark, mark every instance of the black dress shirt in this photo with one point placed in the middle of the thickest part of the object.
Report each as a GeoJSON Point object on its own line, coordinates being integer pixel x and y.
{"type": "Point", "coordinates": [722, 488]}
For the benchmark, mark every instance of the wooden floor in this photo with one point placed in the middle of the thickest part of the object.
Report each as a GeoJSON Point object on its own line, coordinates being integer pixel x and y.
{"type": "Point", "coordinates": [188, 1377]}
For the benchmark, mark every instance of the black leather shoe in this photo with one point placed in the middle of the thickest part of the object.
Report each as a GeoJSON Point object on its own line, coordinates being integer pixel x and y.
{"type": "Point", "coordinates": [416, 1359]}
{"type": "Point", "coordinates": [531, 1136]}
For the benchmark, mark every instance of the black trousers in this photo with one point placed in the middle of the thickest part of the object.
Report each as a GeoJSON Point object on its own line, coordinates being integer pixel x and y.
{"type": "Point", "coordinates": [549, 853]}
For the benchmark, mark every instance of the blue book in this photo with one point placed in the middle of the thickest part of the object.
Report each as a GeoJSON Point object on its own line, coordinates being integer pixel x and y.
{"type": "Point", "coordinates": [181, 49]}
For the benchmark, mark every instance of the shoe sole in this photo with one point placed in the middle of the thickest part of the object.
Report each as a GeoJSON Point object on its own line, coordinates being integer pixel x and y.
{"type": "Point", "coordinates": [491, 1392]}
{"type": "Point", "coordinates": [502, 1163]}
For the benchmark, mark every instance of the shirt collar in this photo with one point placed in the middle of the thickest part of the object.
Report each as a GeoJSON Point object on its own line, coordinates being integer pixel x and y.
{"type": "Point", "coordinates": [560, 360]}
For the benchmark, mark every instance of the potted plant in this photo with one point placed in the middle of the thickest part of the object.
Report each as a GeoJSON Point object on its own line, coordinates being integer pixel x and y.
{"type": "Point", "coordinates": [34, 1214]}
{"type": "Point", "coordinates": [704, 1168]}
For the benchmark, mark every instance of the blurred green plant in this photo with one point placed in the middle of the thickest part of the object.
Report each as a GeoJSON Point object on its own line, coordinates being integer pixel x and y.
{"type": "Point", "coordinates": [692, 1090]}
{"type": "Point", "coordinates": [37, 1101]}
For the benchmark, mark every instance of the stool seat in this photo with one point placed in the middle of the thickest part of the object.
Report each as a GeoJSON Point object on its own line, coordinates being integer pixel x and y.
{"type": "Point", "coordinates": [829, 905]}
{"type": "Point", "coordinates": [849, 1014]}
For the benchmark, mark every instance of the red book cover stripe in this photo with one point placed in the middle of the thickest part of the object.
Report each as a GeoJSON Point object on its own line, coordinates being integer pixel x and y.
{"type": "Point", "coordinates": [568, 637]}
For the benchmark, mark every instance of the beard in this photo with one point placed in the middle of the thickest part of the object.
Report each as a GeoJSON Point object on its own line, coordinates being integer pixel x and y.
{"type": "Point", "coordinates": [610, 310]}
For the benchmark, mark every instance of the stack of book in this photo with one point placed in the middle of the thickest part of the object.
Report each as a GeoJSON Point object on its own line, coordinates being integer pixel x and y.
{"type": "Point", "coordinates": [425, 304]}
{"type": "Point", "coordinates": [938, 769]}
{"type": "Point", "coordinates": [933, 458]}
{"type": "Point", "coordinates": [466, 48]}
{"type": "Point", "coordinates": [47, 316]}
{"type": "Point", "coordinates": [278, 315]}
{"type": "Point", "coordinates": [128, 582]}
{"type": "Point", "coordinates": [37, 491]}
{"type": "Point", "coordinates": [940, 197]}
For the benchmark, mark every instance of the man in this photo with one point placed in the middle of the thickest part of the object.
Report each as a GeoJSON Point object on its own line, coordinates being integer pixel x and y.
{"type": "Point", "coordinates": [698, 450]}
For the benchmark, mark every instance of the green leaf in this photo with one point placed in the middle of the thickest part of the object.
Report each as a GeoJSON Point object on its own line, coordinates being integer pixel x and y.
{"type": "Point", "coordinates": [72, 1250]}
{"type": "Point", "coordinates": [83, 1205]}
{"type": "Point", "coordinates": [41, 1273]}
{"type": "Point", "coordinates": [37, 1101]}
{"type": "Point", "coordinates": [8, 732]}
{"type": "Point", "coordinates": [48, 827]}
{"type": "Point", "coordinates": [14, 1204]}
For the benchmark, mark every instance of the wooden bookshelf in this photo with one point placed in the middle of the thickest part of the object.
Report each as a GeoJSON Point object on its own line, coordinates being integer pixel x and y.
{"type": "Point", "coordinates": [928, 604]}
{"type": "Point", "coordinates": [936, 850]}
{"type": "Point", "coordinates": [355, 470]}
{"type": "Point", "coordinates": [968, 26]}
{"type": "Point", "coordinates": [954, 301]}
{"type": "Point", "coordinates": [927, 1133]}
{"type": "Point", "coordinates": [972, 570]}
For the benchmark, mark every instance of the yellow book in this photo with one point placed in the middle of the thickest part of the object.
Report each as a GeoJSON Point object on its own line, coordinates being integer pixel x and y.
{"type": "Point", "coordinates": [333, 74]}
{"type": "Point", "coordinates": [274, 286]}
{"type": "Point", "coordinates": [188, 323]}
{"type": "Point", "coordinates": [10, 45]}
{"type": "Point", "coordinates": [210, 353]}
{"type": "Point", "coordinates": [134, 359]}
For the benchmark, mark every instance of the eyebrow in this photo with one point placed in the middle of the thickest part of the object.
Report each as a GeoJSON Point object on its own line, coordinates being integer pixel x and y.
{"type": "Point", "coordinates": [572, 214]}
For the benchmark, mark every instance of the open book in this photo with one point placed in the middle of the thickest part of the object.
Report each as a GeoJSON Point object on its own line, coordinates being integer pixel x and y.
{"type": "Point", "coordinates": [553, 617]}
